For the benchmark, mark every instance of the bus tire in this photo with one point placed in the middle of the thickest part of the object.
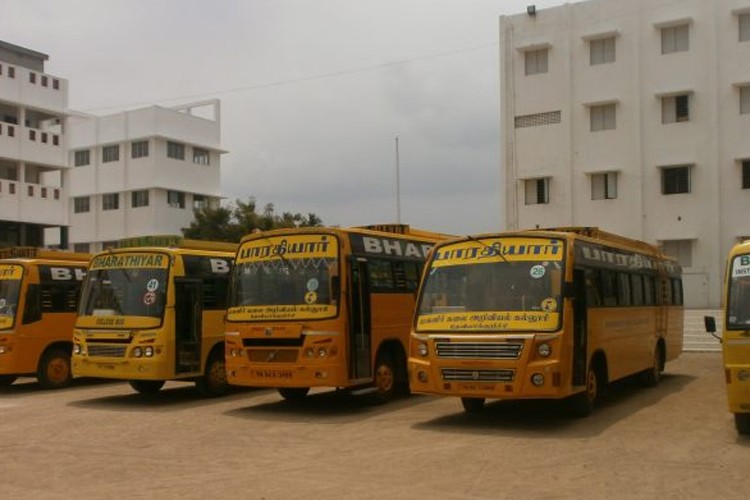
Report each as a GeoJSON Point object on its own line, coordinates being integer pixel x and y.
{"type": "Point", "coordinates": [146, 387]}
{"type": "Point", "coordinates": [386, 378]}
{"type": "Point", "coordinates": [54, 369]}
{"type": "Point", "coordinates": [293, 393]}
{"type": "Point", "coordinates": [652, 376]}
{"type": "Point", "coordinates": [7, 380]}
{"type": "Point", "coordinates": [473, 405]}
{"type": "Point", "coordinates": [582, 404]}
{"type": "Point", "coordinates": [213, 383]}
{"type": "Point", "coordinates": [742, 423]}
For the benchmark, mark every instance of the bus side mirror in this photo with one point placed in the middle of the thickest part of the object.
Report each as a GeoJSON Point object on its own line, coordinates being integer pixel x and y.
{"type": "Point", "coordinates": [710, 323]}
{"type": "Point", "coordinates": [32, 311]}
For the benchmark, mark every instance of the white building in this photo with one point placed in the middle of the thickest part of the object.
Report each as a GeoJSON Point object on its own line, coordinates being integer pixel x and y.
{"type": "Point", "coordinates": [33, 106]}
{"type": "Point", "coordinates": [633, 116]}
{"type": "Point", "coordinates": [141, 172]}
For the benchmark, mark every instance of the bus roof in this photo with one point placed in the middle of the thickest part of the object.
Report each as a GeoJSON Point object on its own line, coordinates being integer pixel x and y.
{"type": "Point", "coordinates": [175, 242]}
{"type": "Point", "coordinates": [42, 253]}
{"type": "Point", "coordinates": [375, 229]}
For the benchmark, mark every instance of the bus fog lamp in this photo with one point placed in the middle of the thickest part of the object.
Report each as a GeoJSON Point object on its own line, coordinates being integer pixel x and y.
{"type": "Point", "coordinates": [422, 376]}
{"type": "Point", "coordinates": [544, 350]}
{"type": "Point", "coordinates": [743, 375]}
{"type": "Point", "coordinates": [137, 352]}
{"type": "Point", "coordinates": [422, 349]}
{"type": "Point", "coordinates": [149, 352]}
{"type": "Point", "coordinates": [3, 349]}
{"type": "Point", "coordinates": [537, 379]}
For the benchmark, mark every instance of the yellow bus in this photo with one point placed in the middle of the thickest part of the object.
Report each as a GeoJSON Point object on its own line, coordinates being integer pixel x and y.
{"type": "Point", "coordinates": [39, 291]}
{"type": "Point", "coordinates": [544, 314]}
{"type": "Point", "coordinates": [152, 310]}
{"type": "Point", "coordinates": [325, 307]}
{"type": "Point", "coordinates": [736, 335]}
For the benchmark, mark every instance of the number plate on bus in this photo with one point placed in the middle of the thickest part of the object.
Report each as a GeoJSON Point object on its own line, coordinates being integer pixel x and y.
{"type": "Point", "coordinates": [277, 374]}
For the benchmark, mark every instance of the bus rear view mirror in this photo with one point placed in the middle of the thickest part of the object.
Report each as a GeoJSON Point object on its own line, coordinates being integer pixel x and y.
{"type": "Point", "coordinates": [710, 323]}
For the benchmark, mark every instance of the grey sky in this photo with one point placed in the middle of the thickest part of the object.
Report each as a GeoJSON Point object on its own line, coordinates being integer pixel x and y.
{"type": "Point", "coordinates": [313, 93]}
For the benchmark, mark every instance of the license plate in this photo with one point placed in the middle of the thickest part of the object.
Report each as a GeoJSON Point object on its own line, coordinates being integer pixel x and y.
{"type": "Point", "coordinates": [273, 374]}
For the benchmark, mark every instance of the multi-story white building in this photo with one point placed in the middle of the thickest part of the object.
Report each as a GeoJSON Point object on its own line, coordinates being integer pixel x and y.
{"type": "Point", "coordinates": [141, 172]}
{"type": "Point", "coordinates": [633, 116]}
{"type": "Point", "coordinates": [33, 107]}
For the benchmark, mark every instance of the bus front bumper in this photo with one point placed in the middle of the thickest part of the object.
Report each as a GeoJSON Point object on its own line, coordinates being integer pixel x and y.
{"type": "Point", "coordinates": [285, 375]}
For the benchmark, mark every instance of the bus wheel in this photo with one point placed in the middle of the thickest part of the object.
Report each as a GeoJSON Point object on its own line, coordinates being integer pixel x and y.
{"type": "Point", "coordinates": [54, 369]}
{"type": "Point", "coordinates": [214, 382]}
{"type": "Point", "coordinates": [293, 393]}
{"type": "Point", "coordinates": [652, 376]}
{"type": "Point", "coordinates": [7, 380]}
{"type": "Point", "coordinates": [386, 378]}
{"type": "Point", "coordinates": [473, 405]}
{"type": "Point", "coordinates": [147, 387]}
{"type": "Point", "coordinates": [742, 423]}
{"type": "Point", "coordinates": [582, 404]}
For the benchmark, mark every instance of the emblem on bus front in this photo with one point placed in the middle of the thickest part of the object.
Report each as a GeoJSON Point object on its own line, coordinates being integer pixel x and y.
{"type": "Point", "coordinates": [475, 375]}
{"type": "Point", "coordinates": [268, 331]}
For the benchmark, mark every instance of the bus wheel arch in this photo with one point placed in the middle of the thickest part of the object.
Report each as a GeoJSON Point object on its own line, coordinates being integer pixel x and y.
{"type": "Point", "coordinates": [54, 368]}
{"type": "Point", "coordinates": [390, 374]}
{"type": "Point", "coordinates": [652, 375]}
{"type": "Point", "coordinates": [213, 382]}
{"type": "Point", "coordinates": [7, 380]}
{"type": "Point", "coordinates": [597, 378]}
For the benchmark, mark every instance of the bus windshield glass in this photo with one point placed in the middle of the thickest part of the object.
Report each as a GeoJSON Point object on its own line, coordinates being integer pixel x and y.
{"type": "Point", "coordinates": [285, 278]}
{"type": "Point", "coordinates": [10, 285]}
{"type": "Point", "coordinates": [738, 301]}
{"type": "Point", "coordinates": [493, 285]}
{"type": "Point", "coordinates": [125, 289]}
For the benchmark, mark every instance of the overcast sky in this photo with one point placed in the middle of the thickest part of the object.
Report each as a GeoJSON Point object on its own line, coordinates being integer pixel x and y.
{"type": "Point", "coordinates": [313, 94]}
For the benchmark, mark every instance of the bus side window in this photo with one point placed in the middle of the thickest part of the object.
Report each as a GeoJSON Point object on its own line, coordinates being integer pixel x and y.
{"type": "Point", "coordinates": [33, 310]}
{"type": "Point", "coordinates": [677, 291]}
{"type": "Point", "coordinates": [593, 288]}
{"type": "Point", "coordinates": [636, 287]}
{"type": "Point", "coordinates": [648, 290]}
{"type": "Point", "coordinates": [609, 290]}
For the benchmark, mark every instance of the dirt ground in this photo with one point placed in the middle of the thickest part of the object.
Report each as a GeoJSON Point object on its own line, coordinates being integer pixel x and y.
{"type": "Point", "coordinates": [100, 440]}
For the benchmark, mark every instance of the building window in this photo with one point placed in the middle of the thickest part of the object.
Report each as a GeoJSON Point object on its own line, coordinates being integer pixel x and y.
{"type": "Point", "coordinates": [603, 117]}
{"type": "Point", "coordinates": [675, 39]}
{"type": "Point", "coordinates": [111, 201]}
{"type": "Point", "coordinates": [745, 100]}
{"type": "Point", "coordinates": [201, 156]}
{"type": "Point", "coordinates": [744, 23]}
{"type": "Point", "coordinates": [675, 108]}
{"type": "Point", "coordinates": [45, 81]}
{"type": "Point", "coordinates": [675, 180]}
{"type": "Point", "coordinates": [32, 77]}
{"type": "Point", "coordinates": [56, 84]}
{"type": "Point", "coordinates": [535, 61]}
{"type": "Point", "coordinates": [81, 204]}
{"type": "Point", "coordinates": [745, 174]}
{"type": "Point", "coordinates": [175, 150]}
{"type": "Point", "coordinates": [602, 51]}
{"type": "Point", "coordinates": [604, 186]}
{"type": "Point", "coordinates": [537, 119]}
{"type": "Point", "coordinates": [176, 199]}
{"type": "Point", "coordinates": [199, 202]}
{"type": "Point", "coordinates": [11, 72]}
{"type": "Point", "coordinates": [537, 191]}
{"type": "Point", "coordinates": [111, 153]}
{"type": "Point", "coordinates": [681, 249]}
{"type": "Point", "coordinates": [82, 157]}
{"type": "Point", "coordinates": [139, 149]}
{"type": "Point", "coordinates": [139, 198]}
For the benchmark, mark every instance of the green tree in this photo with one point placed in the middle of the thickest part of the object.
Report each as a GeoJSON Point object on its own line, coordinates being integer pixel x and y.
{"type": "Point", "coordinates": [233, 221]}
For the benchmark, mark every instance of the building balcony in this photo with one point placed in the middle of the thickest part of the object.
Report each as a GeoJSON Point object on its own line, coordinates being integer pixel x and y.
{"type": "Point", "coordinates": [32, 203]}
{"type": "Point", "coordinates": [34, 89]}
{"type": "Point", "coordinates": [32, 145]}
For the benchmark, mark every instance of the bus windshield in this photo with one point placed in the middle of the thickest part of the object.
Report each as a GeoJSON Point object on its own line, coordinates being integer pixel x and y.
{"type": "Point", "coordinates": [497, 285]}
{"type": "Point", "coordinates": [10, 285]}
{"type": "Point", "coordinates": [738, 301]}
{"type": "Point", "coordinates": [132, 285]}
{"type": "Point", "coordinates": [288, 277]}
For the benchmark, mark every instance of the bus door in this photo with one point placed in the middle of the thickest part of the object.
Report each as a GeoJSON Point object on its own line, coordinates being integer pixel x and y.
{"type": "Point", "coordinates": [580, 327]}
{"type": "Point", "coordinates": [188, 325]}
{"type": "Point", "coordinates": [360, 334]}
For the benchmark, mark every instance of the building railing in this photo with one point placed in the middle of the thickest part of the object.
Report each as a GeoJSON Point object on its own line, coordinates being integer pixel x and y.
{"type": "Point", "coordinates": [32, 134]}
{"type": "Point", "coordinates": [30, 190]}
{"type": "Point", "coordinates": [12, 72]}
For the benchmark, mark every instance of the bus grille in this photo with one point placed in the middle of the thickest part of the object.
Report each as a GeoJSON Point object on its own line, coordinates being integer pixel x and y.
{"type": "Point", "coordinates": [464, 375]}
{"type": "Point", "coordinates": [272, 355]}
{"type": "Point", "coordinates": [479, 350]}
{"type": "Point", "coordinates": [107, 351]}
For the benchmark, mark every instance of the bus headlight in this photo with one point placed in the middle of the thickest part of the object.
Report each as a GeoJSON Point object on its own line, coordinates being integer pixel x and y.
{"type": "Point", "coordinates": [544, 350]}
{"type": "Point", "coordinates": [322, 352]}
{"type": "Point", "coordinates": [3, 349]}
{"type": "Point", "coordinates": [743, 375]}
{"type": "Point", "coordinates": [422, 349]}
{"type": "Point", "coordinates": [537, 379]}
{"type": "Point", "coordinates": [77, 349]}
{"type": "Point", "coordinates": [148, 352]}
{"type": "Point", "coordinates": [137, 352]}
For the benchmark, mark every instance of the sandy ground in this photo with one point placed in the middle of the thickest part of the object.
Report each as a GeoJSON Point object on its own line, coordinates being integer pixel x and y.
{"type": "Point", "coordinates": [100, 440]}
